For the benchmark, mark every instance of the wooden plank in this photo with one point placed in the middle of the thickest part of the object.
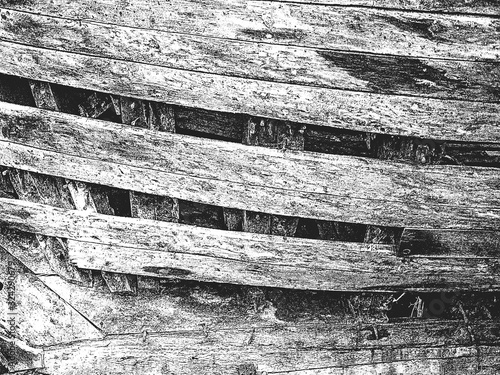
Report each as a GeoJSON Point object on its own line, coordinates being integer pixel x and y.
{"type": "Point", "coordinates": [43, 95]}
{"type": "Point", "coordinates": [406, 75]}
{"type": "Point", "coordinates": [457, 6]}
{"type": "Point", "coordinates": [54, 191]}
{"type": "Point", "coordinates": [55, 249]}
{"type": "Point", "coordinates": [373, 30]}
{"type": "Point", "coordinates": [25, 247]}
{"type": "Point", "coordinates": [455, 244]}
{"type": "Point", "coordinates": [210, 124]}
{"type": "Point", "coordinates": [157, 116]}
{"type": "Point", "coordinates": [83, 200]}
{"type": "Point", "coordinates": [419, 274]}
{"type": "Point", "coordinates": [40, 316]}
{"type": "Point", "coordinates": [40, 189]}
{"type": "Point", "coordinates": [216, 307]}
{"type": "Point", "coordinates": [318, 186]}
{"type": "Point", "coordinates": [265, 200]}
{"type": "Point", "coordinates": [229, 352]}
{"type": "Point", "coordinates": [161, 249]}
{"type": "Point", "coordinates": [259, 132]}
{"type": "Point", "coordinates": [393, 114]}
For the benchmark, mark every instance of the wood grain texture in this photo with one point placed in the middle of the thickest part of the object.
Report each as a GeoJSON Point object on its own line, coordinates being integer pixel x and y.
{"type": "Point", "coordinates": [318, 186]}
{"type": "Point", "coordinates": [161, 249]}
{"type": "Point", "coordinates": [459, 6]}
{"type": "Point", "coordinates": [41, 317]}
{"type": "Point", "coordinates": [55, 249]}
{"type": "Point", "coordinates": [274, 201]}
{"type": "Point", "coordinates": [454, 244]}
{"type": "Point", "coordinates": [37, 188]}
{"type": "Point", "coordinates": [84, 201]}
{"type": "Point", "coordinates": [264, 351]}
{"type": "Point", "coordinates": [393, 114]}
{"type": "Point", "coordinates": [273, 134]}
{"type": "Point", "coordinates": [437, 78]}
{"type": "Point", "coordinates": [340, 28]}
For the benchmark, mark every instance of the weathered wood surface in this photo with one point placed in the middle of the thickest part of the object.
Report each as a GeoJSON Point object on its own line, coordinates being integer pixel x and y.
{"type": "Point", "coordinates": [274, 134]}
{"type": "Point", "coordinates": [32, 305]}
{"type": "Point", "coordinates": [325, 187]}
{"type": "Point", "coordinates": [80, 197]}
{"type": "Point", "coordinates": [226, 333]}
{"type": "Point", "coordinates": [394, 114]}
{"type": "Point", "coordinates": [340, 28]}
{"type": "Point", "coordinates": [259, 352]}
{"type": "Point", "coordinates": [84, 201]}
{"type": "Point", "coordinates": [438, 78]}
{"type": "Point", "coordinates": [458, 6]}
{"type": "Point", "coordinates": [53, 191]}
{"type": "Point", "coordinates": [266, 200]}
{"type": "Point", "coordinates": [456, 244]}
{"type": "Point", "coordinates": [171, 250]}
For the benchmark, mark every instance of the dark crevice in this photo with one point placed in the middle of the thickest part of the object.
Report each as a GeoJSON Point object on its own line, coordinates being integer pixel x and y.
{"type": "Point", "coordinates": [201, 134]}
{"type": "Point", "coordinates": [200, 214]}
{"type": "Point", "coordinates": [119, 200]}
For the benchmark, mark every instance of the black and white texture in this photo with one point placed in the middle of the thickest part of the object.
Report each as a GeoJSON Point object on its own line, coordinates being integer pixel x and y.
{"type": "Point", "coordinates": [250, 187]}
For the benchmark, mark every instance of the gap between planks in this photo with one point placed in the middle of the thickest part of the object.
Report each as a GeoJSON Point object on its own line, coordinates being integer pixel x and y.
{"type": "Point", "coordinates": [289, 183]}
{"type": "Point", "coordinates": [171, 250]}
{"type": "Point", "coordinates": [369, 112]}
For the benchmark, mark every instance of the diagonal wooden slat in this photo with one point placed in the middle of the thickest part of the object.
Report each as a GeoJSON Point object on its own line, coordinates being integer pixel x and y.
{"type": "Point", "coordinates": [162, 249]}
{"type": "Point", "coordinates": [290, 183]}
{"type": "Point", "coordinates": [392, 114]}
{"type": "Point", "coordinates": [40, 316]}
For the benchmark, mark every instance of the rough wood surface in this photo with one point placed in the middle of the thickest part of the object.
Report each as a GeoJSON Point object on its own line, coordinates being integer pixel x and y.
{"type": "Point", "coordinates": [37, 188]}
{"type": "Point", "coordinates": [155, 248]}
{"type": "Point", "coordinates": [438, 78]}
{"type": "Point", "coordinates": [265, 330]}
{"type": "Point", "coordinates": [459, 6]}
{"type": "Point", "coordinates": [454, 244]}
{"type": "Point", "coordinates": [266, 200]}
{"type": "Point", "coordinates": [55, 249]}
{"type": "Point", "coordinates": [341, 28]}
{"type": "Point", "coordinates": [41, 317]}
{"type": "Point", "coordinates": [318, 186]}
{"type": "Point", "coordinates": [393, 114]}
{"type": "Point", "coordinates": [260, 350]}
{"type": "Point", "coordinates": [84, 200]}
{"type": "Point", "coordinates": [273, 134]}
